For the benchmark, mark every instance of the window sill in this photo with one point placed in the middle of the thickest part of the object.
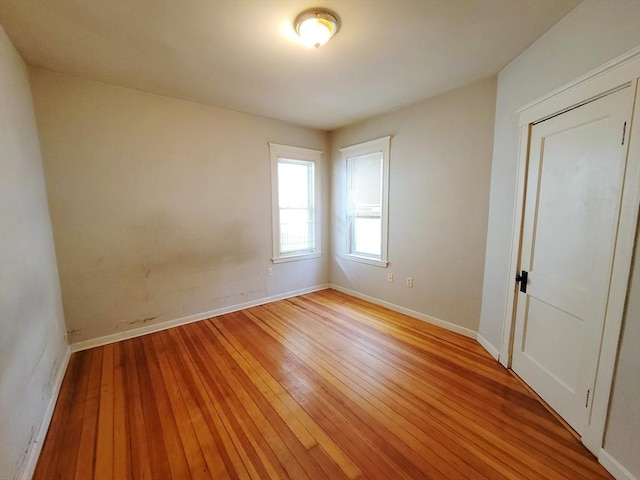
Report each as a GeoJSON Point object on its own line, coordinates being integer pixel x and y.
{"type": "Point", "coordinates": [368, 261]}
{"type": "Point", "coordinates": [293, 258]}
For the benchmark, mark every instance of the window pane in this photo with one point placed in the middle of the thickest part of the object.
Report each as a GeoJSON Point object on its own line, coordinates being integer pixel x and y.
{"type": "Point", "coordinates": [367, 180]}
{"type": "Point", "coordinates": [293, 180]}
{"type": "Point", "coordinates": [295, 195]}
{"type": "Point", "coordinates": [296, 230]}
{"type": "Point", "coordinates": [364, 204]}
{"type": "Point", "coordinates": [366, 236]}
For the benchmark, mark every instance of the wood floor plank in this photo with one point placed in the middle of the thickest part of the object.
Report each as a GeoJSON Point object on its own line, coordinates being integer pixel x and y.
{"type": "Point", "coordinates": [289, 419]}
{"type": "Point", "coordinates": [190, 429]}
{"type": "Point", "coordinates": [274, 400]}
{"type": "Point", "coordinates": [121, 449]}
{"type": "Point", "coordinates": [453, 382]}
{"type": "Point", "coordinates": [320, 386]}
{"type": "Point", "coordinates": [355, 432]}
{"type": "Point", "coordinates": [87, 450]}
{"type": "Point", "coordinates": [420, 447]}
{"type": "Point", "coordinates": [104, 448]}
{"type": "Point", "coordinates": [472, 425]}
{"type": "Point", "coordinates": [534, 438]}
{"type": "Point", "coordinates": [265, 419]}
{"type": "Point", "coordinates": [153, 432]}
{"type": "Point", "coordinates": [67, 451]}
{"type": "Point", "coordinates": [177, 462]}
{"type": "Point", "coordinates": [137, 441]}
{"type": "Point", "coordinates": [214, 440]}
{"type": "Point", "coordinates": [320, 437]}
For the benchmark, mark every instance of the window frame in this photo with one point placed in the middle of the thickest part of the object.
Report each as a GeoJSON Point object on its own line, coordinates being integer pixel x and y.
{"type": "Point", "coordinates": [380, 145]}
{"type": "Point", "coordinates": [295, 154]}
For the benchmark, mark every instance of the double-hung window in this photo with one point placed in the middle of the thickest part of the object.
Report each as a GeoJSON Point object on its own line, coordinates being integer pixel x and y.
{"type": "Point", "coordinates": [366, 196]}
{"type": "Point", "coordinates": [295, 193]}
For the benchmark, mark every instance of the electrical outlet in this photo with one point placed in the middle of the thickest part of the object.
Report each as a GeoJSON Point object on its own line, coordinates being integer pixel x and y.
{"type": "Point", "coordinates": [409, 282]}
{"type": "Point", "coordinates": [269, 272]}
{"type": "Point", "coordinates": [390, 277]}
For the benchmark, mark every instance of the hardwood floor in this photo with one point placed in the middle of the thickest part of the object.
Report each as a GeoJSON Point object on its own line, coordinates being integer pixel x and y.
{"type": "Point", "coordinates": [318, 386]}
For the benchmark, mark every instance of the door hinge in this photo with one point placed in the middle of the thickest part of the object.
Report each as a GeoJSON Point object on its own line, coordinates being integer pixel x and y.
{"type": "Point", "coordinates": [586, 404]}
{"type": "Point", "coordinates": [624, 131]}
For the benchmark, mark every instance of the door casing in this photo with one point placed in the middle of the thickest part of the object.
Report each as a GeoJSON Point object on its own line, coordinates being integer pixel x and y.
{"type": "Point", "coordinates": [620, 72]}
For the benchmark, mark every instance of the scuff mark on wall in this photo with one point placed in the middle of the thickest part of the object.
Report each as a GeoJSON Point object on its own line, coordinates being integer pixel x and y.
{"type": "Point", "coordinates": [142, 320]}
{"type": "Point", "coordinates": [223, 297]}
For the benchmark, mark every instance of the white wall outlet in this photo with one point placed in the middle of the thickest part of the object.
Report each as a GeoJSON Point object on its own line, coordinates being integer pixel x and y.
{"type": "Point", "coordinates": [409, 282]}
{"type": "Point", "coordinates": [269, 272]}
{"type": "Point", "coordinates": [390, 277]}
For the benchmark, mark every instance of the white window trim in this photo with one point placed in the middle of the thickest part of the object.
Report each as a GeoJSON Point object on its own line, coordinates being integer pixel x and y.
{"type": "Point", "coordinates": [379, 145]}
{"type": "Point", "coordinates": [278, 151]}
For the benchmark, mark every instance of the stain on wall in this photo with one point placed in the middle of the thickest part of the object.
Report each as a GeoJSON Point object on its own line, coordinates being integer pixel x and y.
{"type": "Point", "coordinates": [161, 208]}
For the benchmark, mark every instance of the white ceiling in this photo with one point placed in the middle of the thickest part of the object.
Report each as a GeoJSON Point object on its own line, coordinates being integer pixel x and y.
{"type": "Point", "coordinates": [242, 54]}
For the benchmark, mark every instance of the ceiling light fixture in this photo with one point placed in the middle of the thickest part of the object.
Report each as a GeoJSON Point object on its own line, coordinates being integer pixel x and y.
{"type": "Point", "coordinates": [316, 26]}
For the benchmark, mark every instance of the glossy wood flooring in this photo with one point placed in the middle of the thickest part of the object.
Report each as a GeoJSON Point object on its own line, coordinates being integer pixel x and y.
{"type": "Point", "coordinates": [318, 386]}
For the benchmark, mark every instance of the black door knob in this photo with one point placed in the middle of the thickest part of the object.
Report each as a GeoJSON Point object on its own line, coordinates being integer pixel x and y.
{"type": "Point", "coordinates": [523, 278]}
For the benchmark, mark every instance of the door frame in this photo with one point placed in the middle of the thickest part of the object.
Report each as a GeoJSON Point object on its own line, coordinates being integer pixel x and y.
{"type": "Point", "coordinates": [621, 72]}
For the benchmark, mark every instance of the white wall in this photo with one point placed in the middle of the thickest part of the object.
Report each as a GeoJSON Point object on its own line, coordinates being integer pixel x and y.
{"type": "Point", "coordinates": [161, 207]}
{"type": "Point", "coordinates": [623, 424]}
{"type": "Point", "coordinates": [32, 329]}
{"type": "Point", "coordinates": [589, 36]}
{"type": "Point", "coordinates": [440, 164]}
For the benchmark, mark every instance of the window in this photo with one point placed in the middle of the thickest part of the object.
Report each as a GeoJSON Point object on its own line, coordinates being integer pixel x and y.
{"type": "Point", "coordinates": [295, 194]}
{"type": "Point", "coordinates": [366, 201]}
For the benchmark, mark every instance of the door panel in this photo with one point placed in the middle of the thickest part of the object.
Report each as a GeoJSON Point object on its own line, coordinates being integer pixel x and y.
{"type": "Point", "coordinates": [553, 353]}
{"type": "Point", "coordinates": [573, 193]}
{"type": "Point", "coordinates": [569, 193]}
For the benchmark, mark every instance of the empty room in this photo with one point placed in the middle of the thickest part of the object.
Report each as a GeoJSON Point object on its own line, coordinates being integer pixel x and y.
{"type": "Point", "coordinates": [345, 239]}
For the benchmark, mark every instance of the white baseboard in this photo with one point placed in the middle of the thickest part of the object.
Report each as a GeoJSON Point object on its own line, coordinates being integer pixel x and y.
{"type": "Point", "coordinates": [493, 351]}
{"type": "Point", "coordinates": [592, 439]}
{"type": "Point", "coordinates": [467, 332]}
{"type": "Point", "coordinates": [156, 327]}
{"type": "Point", "coordinates": [36, 446]}
{"type": "Point", "coordinates": [613, 467]}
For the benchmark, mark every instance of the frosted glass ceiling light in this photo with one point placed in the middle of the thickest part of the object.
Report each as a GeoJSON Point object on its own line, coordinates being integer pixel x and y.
{"type": "Point", "coordinates": [316, 26]}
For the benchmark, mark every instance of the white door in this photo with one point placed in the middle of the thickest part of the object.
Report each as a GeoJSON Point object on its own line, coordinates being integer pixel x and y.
{"type": "Point", "coordinates": [573, 193]}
